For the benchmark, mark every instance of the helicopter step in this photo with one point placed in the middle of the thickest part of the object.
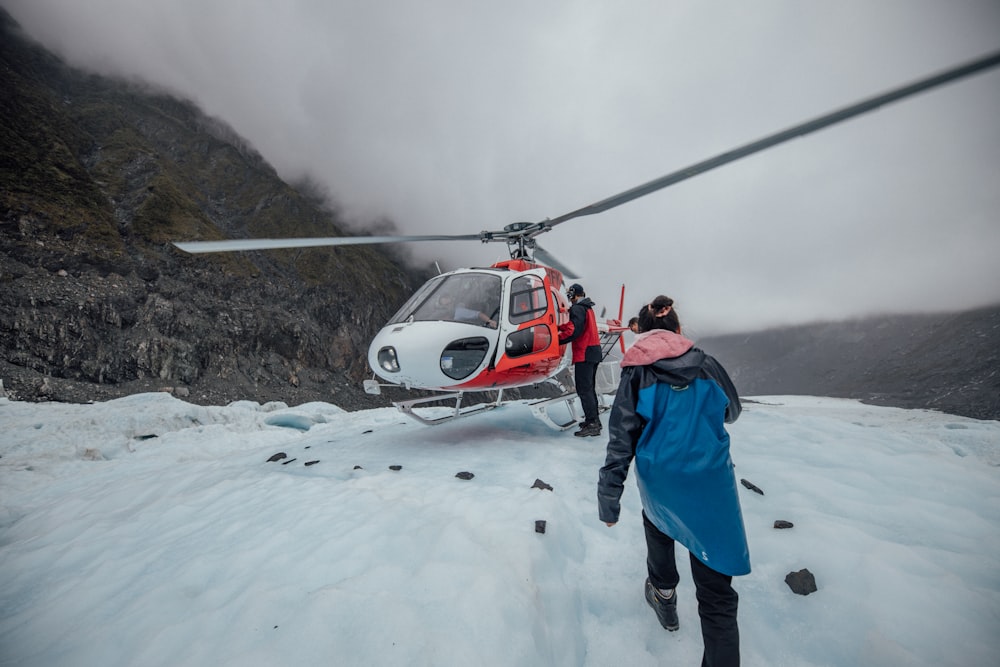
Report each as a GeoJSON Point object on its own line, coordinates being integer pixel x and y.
{"type": "Point", "coordinates": [608, 374]}
{"type": "Point", "coordinates": [540, 410]}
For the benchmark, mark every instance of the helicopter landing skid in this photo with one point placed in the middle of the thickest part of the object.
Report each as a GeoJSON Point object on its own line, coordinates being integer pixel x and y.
{"type": "Point", "coordinates": [448, 413]}
{"type": "Point", "coordinates": [452, 411]}
{"type": "Point", "coordinates": [540, 410]}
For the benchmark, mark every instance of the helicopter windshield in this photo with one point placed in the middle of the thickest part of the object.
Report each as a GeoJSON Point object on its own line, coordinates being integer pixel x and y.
{"type": "Point", "coordinates": [464, 297]}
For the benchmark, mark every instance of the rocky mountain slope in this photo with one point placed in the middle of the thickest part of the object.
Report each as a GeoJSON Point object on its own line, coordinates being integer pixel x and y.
{"type": "Point", "coordinates": [96, 178]}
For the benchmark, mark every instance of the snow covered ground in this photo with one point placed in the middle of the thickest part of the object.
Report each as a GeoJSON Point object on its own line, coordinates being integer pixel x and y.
{"type": "Point", "coordinates": [149, 531]}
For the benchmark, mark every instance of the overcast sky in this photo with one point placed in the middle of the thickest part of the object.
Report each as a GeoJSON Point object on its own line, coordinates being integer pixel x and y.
{"type": "Point", "coordinates": [451, 116]}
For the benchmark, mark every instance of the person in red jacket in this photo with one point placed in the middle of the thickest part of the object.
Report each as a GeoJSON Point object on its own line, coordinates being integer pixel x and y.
{"type": "Point", "coordinates": [581, 331]}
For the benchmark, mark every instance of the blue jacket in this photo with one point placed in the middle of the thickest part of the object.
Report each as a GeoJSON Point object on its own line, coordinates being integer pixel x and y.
{"type": "Point", "coordinates": [669, 415]}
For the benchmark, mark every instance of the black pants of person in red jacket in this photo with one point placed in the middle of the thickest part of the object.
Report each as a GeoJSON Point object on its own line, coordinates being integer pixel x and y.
{"type": "Point", "coordinates": [585, 380]}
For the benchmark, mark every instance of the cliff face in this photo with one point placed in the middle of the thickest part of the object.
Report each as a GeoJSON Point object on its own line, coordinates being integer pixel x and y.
{"type": "Point", "coordinates": [97, 177]}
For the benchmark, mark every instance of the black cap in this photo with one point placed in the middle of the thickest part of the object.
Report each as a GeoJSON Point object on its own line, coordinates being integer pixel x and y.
{"type": "Point", "coordinates": [576, 289]}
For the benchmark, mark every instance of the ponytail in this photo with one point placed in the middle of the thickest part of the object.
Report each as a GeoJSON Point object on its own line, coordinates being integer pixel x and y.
{"type": "Point", "coordinates": [659, 314]}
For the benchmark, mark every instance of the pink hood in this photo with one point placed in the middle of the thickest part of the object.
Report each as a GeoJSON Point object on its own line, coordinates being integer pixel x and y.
{"type": "Point", "coordinates": [654, 345]}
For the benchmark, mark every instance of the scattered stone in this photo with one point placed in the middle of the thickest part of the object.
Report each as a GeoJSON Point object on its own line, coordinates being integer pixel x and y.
{"type": "Point", "coordinates": [540, 526]}
{"type": "Point", "coordinates": [277, 457]}
{"type": "Point", "coordinates": [284, 463]}
{"type": "Point", "coordinates": [751, 486]}
{"type": "Point", "coordinates": [802, 582]}
{"type": "Point", "coordinates": [395, 467]}
{"type": "Point", "coordinates": [539, 484]}
{"type": "Point", "coordinates": [464, 475]}
{"type": "Point", "coordinates": [181, 392]}
{"type": "Point", "coordinates": [780, 524]}
{"type": "Point", "coordinates": [311, 463]}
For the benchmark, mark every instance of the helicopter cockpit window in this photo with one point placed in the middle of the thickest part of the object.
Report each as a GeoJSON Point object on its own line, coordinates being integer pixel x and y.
{"type": "Point", "coordinates": [462, 297]}
{"type": "Point", "coordinates": [528, 299]}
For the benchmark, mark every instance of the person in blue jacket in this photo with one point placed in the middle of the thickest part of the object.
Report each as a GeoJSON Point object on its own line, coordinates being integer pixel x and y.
{"type": "Point", "coordinates": [668, 416]}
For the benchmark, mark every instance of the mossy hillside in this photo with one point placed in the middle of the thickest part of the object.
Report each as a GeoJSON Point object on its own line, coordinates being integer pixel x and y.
{"type": "Point", "coordinates": [97, 178]}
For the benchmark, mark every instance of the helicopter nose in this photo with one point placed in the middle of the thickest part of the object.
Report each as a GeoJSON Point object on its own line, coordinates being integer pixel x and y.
{"type": "Point", "coordinates": [430, 355]}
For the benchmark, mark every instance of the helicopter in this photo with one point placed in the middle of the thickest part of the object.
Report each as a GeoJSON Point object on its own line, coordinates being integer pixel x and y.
{"type": "Point", "coordinates": [489, 329]}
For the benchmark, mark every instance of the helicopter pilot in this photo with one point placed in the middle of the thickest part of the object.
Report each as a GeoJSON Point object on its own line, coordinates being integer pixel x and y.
{"type": "Point", "coordinates": [456, 311]}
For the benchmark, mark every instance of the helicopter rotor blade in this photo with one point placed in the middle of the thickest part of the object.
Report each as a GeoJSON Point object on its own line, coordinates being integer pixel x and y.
{"type": "Point", "coordinates": [522, 231]}
{"type": "Point", "coordinates": [819, 123]}
{"type": "Point", "coordinates": [234, 245]}
{"type": "Point", "coordinates": [548, 259]}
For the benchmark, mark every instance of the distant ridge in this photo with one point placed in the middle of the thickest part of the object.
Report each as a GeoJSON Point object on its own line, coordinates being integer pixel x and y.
{"type": "Point", "coordinates": [948, 362]}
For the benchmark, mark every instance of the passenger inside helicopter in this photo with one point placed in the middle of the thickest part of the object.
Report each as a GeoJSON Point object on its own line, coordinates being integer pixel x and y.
{"type": "Point", "coordinates": [449, 310]}
{"type": "Point", "coordinates": [464, 297]}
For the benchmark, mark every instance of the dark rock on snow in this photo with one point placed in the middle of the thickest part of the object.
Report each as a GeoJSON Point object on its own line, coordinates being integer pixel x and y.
{"type": "Point", "coordinates": [539, 484]}
{"type": "Point", "coordinates": [801, 582]}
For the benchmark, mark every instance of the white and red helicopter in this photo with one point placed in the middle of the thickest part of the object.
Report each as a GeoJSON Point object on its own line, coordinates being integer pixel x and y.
{"type": "Point", "coordinates": [472, 330]}
{"type": "Point", "coordinates": [495, 328]}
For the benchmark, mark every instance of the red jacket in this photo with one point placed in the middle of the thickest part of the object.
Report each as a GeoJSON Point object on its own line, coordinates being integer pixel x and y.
{"type": "Point", "coordinates": [581, 331]}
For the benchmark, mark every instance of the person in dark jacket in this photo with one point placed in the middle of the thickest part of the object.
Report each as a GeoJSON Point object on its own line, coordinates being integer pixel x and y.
{"type": "Point", "coordinates": [669, 415]}
{"type": "Point", "coordinates": [581, 331]}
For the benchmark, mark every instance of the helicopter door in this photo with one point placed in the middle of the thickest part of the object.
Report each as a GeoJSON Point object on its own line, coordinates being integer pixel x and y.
{"type": "Point", "coordinates": [532, 344]}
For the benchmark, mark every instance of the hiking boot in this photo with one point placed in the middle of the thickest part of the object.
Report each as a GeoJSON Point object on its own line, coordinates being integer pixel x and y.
{"type": "Point", "coordinates": [589, 429]}
{"type": "Point", "coordinates": [665, 608]}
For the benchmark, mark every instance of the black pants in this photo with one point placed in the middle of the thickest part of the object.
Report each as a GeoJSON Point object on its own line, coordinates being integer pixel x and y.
{"type": "Point", "coordinates": [585, 379]}
{"type": "Point", "coordinates": [717, 601]}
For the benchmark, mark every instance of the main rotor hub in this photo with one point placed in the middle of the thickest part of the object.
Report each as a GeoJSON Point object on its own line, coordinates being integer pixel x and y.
{"type": "Point", "coordinates": [515, 227]}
